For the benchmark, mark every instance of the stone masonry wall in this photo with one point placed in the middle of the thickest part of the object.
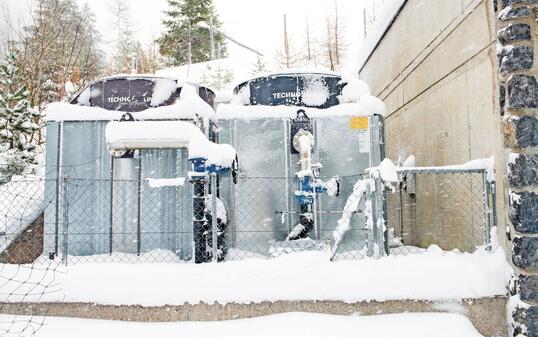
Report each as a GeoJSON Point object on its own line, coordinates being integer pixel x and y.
{"type": "Point", "coordinates": [518, 95]}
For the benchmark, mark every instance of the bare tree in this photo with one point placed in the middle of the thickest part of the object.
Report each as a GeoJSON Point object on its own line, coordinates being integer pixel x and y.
{"type": "Point", "coordinates": [288, 56]}
{"type": "Point", "coordinates": [149, 60]}
{"type": "Point", "coordinates": [370, 14]}
{"type": "Point", "coordinates": [333, 45]}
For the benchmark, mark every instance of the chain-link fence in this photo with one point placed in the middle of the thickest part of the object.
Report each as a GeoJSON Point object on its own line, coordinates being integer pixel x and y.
{"type": "Point", "coordinates": [171, 220]}
{"type": "Point", "coordinates": [25, 274]}
{"type": "Point", "coordinates": [451, 208]}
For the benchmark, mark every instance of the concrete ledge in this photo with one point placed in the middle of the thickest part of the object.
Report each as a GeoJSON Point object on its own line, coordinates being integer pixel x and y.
{"type": "Point", "coordinates": [487, 314]}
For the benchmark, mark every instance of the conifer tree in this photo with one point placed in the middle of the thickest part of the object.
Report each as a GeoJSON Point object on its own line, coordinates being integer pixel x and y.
{"type": "Point", "coordinates": [217, 77]}
{"type": "Point", "coordinates": [259, 67]}
{"type": "Point", "coordinates": [17, 120]}
{"type": "Point", "coordinates": [187, 37]}
{"type": "Point", "coordinates": [125, 54]}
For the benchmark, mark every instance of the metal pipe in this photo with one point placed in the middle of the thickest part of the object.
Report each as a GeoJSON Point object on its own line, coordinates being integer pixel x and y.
{"type": "Point", "coordinates": [138, 212]}
{"type": "Point", "coordinates": [370, 234]}
{"type": "Point", "coordinates": [198, 221]}
{"type": "Point", "coordinates": [111, 226]}
{"type": "Point", "coordinates": [286, 171]}
{"type": "Point", "coordinates": [485, 206]}
{"type": "Point", "coordinates": [494, 202]}
{"type": "Point", "coordinates": [401, 214]}
{"type": "Point", "coordinates": [58, 175]}
{"type": "Point", "coordinates": [214, 216]}
{"type": "Point", "coordinates": [324, 212]}
{"type": "Point", "coordinates": [65, 219]}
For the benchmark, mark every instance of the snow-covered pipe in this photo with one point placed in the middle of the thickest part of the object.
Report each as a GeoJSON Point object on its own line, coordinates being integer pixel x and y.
{"type": "Point", "coordinates": [140, 135]}
{"type": "Point", "coordinates": [303, 142]}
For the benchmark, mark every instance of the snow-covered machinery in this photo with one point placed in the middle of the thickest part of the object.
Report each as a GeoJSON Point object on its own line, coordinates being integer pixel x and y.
{"type": "Point", "coordinates": [133, 202]}
{"type": "Point", "coordinates": [207, 159]}
{"type": "Point", "coordinates": [304, 139]}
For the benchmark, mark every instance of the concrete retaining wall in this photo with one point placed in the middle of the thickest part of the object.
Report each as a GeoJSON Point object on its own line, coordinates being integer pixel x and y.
{"type": "Point", "coordinates": [488, 314]}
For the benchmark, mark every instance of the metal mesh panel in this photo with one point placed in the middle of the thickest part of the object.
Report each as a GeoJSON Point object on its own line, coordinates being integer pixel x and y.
{"type": "Point", "coordinates": [443, 208]}
{"type": "Point", "coordinates": [104, 220]}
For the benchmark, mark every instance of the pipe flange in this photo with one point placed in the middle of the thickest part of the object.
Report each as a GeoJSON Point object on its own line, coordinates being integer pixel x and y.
{"type": "Point", "coordinates": [117, 153]}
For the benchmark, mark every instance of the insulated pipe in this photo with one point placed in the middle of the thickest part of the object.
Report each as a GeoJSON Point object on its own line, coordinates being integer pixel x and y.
{"type": "Point", "coordinates": [303, 142]}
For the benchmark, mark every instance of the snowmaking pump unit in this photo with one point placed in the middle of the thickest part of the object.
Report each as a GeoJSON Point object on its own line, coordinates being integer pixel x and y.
{"type": "Point", "coordinates": [309, 186]}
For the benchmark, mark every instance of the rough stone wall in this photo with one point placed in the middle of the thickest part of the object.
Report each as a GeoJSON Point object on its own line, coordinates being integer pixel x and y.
{"type": "Point", "coordinates": [517, 27]}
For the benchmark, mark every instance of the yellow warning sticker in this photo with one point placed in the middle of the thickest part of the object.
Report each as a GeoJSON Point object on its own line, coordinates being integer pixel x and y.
{"type": "Point", "coordinates": [358, 123]}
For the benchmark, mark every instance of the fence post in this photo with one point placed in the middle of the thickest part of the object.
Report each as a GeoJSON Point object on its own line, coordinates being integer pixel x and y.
{"type": "Point", "coordinates": [486, 210]}
{"type": "Point", "coordinates": [214, 215]}
{"type": "Point", "coordinates": [377, 214]}
{"type": "Point", "coordinates": [65, 218]}
{"type": "Point", "coordinates": [493, 193]}
{"type": "Point", "coordinates": [370, 233]}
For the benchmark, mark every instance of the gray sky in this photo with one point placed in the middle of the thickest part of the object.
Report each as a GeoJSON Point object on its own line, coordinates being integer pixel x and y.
{"type": "Point", "coordinates": [257, 23]}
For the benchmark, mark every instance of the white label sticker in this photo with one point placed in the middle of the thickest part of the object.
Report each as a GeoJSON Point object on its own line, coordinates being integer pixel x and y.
{"type": "Point", "coordinates": [364, 141]}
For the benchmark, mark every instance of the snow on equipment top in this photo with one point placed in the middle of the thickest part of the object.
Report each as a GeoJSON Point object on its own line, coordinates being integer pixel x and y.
{"type": "Point", "coordinates": [321, 95]}
{"type": "Point", "coordinates": [147, 97]}
{"type": "Point", "coordinates": [121, 136]}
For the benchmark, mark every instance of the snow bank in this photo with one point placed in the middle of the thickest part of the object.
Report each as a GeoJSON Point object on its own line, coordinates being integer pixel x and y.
{"type": "Point", "coordinates": [288, 324]}
{"type": "Point", "coordinates": [168, 134]}
{"type": "Point", "coordinates": [250, 112]}
{"type": "Point", "coordinates": [21, 202]}
{"type": "Point", "coordinates": [433, 275]}
{"type": "Point", "coordinates": [189, 106]}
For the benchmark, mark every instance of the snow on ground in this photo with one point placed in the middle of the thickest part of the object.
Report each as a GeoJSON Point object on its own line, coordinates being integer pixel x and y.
{"type": "Point", "coordinates": [21, 202]}
{"type": "Point", "coordinates": [433, 275]}
{"type": "Point", "coordinates": [289, 324]}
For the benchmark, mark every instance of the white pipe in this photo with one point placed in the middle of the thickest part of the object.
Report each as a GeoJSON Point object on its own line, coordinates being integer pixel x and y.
{"type": "Point", "coordinates": [303, 142]}
{"type": "Point", "coordinates": [305, 157]}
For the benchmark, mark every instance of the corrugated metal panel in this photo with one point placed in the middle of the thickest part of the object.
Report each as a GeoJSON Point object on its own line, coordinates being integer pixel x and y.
{"type": "Point", "coordinates": [166, 212]}
{"type": "Point", "coordinates": [267, 185]}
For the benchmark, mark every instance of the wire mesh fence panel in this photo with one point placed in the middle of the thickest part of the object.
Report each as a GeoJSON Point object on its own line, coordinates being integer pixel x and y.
{"type": "Point", "coordinates": [443, 208]}
{"type": "Point", "coordinates": [25, 274]}
{"type": "Point", "coordinates": [171, 220]}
